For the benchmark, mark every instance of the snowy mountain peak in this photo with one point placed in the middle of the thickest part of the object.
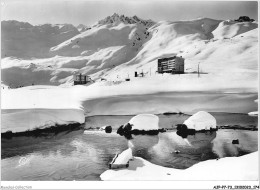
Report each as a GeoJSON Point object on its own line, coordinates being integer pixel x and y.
{"type": "Point", "coordinates": [117, 19]}
{"type": "Point", "coordinates": [82, 28]}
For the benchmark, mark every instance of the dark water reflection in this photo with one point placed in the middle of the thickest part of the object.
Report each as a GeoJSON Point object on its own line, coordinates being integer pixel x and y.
{"type": "Point", "coordinates": [84, 156]}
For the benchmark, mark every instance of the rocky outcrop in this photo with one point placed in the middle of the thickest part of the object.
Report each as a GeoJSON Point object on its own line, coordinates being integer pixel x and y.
{"type": "Point", "coordinates": [115, 19]}
{"type": "Point", "coordinates": [244, 19]}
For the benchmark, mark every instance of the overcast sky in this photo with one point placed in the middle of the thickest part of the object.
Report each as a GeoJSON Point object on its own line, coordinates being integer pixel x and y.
{"type": "Point", "coordinates": [88, 11]}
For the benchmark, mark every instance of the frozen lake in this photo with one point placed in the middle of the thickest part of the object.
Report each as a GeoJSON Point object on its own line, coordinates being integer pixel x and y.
{"type": "Point", "coordinates": [78, 156]}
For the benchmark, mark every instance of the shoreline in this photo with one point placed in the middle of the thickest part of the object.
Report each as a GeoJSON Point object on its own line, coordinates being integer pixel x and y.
{"type": "Point", "coordinates": [56, 128]}
{"type": "Point", "coordinates": [141, 169]}
{"type": "Point", "coordinates": [48, 106]}
{"type": "Point", "coordinates": [42, 132]}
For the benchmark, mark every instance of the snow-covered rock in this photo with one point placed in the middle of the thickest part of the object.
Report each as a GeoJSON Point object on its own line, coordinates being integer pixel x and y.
{"type": "Point", "coordinates": [124, 157]}
{"type": "Point", "coordinates": [140, 124]}
{"type": "Point", "coordinates": [201, 121]}
{"type": "Point", "coordinates": [145, 122]}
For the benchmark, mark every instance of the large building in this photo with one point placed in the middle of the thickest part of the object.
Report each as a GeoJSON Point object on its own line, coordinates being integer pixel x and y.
{"type": "Point", "coordinates": [173, 64]}
{"type": "Point", "coordinates": [81, 79]}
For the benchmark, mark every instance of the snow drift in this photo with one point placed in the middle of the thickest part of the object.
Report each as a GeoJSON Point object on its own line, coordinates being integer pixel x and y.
{"type": "Point", "coordinates": [34, 107]}
{"type": "Point", "coordinates": [21, 120]}
{"type": "Point", "coordinates": [236, 168]}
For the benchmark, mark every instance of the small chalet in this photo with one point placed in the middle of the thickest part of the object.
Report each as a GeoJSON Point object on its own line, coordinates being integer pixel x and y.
{"type": "Point", "coordinates": [171, 64]}
{"type": "Point", "coordinates": [81, 79]}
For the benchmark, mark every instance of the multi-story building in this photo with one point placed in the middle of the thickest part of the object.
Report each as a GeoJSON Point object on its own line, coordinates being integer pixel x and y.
{"type": "Point", "coordinates": [173, 64]}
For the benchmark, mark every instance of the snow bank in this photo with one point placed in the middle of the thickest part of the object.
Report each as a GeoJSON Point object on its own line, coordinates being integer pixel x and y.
{"type": "Point", "coordinates": [21, 120]}
{"type": "Point", "coordinates": [201, 121]}
{"type": "Point", "coordinates": [125, 98]}
{"type": "Point", "coordinates": [145, 122]}
{"type": "Point", "coordinates": [157, 103]}
{"type": "Point", "coordinates": [34, 97]}
{"type": "Point", "coordinates": [34, 107]}
{"type": "Point", "coordinates": [253, 113]}
{"type": "Point", "coordinates": [230, 168]}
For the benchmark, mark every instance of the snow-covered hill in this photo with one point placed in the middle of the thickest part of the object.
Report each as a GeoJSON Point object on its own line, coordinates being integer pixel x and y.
{"type": "Point", "coordinates": [117, 46]}
{"type": "Point", "coordinates": [23, 40]}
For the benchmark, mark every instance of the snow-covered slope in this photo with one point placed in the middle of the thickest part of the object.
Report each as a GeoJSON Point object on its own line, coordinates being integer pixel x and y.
{"type": "Point", "coordinates": [119, 45]}
{"type": "Point", "coordinates": [23, 40]}
{"type": "Point", "coordinates": [229, 29]}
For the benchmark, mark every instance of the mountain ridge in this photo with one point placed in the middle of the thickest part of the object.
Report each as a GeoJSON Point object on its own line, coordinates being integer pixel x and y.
{"type": "Point", "coordinates": [116, 18]}
{"type": "Point", "coordinates": [118, 45]}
